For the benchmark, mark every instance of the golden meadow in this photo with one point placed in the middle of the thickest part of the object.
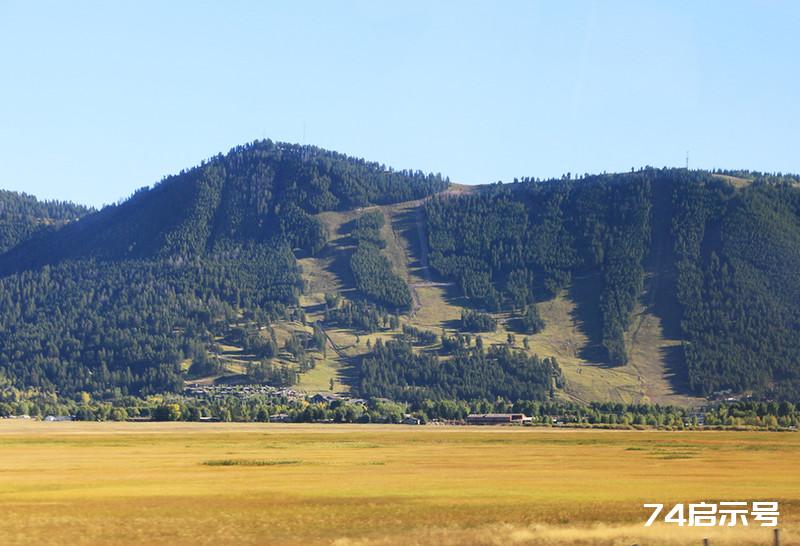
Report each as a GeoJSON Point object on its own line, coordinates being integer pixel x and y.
{"type": "Point", "coordinates": [223, 483]}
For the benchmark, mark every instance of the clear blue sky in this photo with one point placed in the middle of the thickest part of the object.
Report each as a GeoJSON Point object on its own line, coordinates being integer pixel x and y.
{"type": "Point", "coordinates": [100, 98]}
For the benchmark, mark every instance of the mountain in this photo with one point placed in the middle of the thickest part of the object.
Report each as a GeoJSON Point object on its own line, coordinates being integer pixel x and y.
{"type": "Point", "coordinates": [22, 216]}
{"type": "Point", "coordinates": [114, 302]}
{"type": "Point", "coordinates": [253, 194]}
{"type": "Point", "coordinates": [292, 265]}
{"type": "Point", "coordinates": [720, 259]}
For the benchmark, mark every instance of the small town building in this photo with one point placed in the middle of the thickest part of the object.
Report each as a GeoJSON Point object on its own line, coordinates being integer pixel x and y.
{"type": "Point", "coordinates": [57, 418]}
{"type": "Point", "coordinates": [325, 397]}
{"type": "Point", "coordinates": [498, 419]}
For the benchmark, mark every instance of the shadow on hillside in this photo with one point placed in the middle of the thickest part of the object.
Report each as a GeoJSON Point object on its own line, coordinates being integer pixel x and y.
{"type": "Point", "coordinates": [665, 304]}
{"type": "Point", "coordinates": [337, 257]}
{"type": "Point", "coordinates": [585, 293]}
{"type": "Point", "coordinates": [405, 225]}
{"type": "Point", "coordinates": [514, 324]}
{"type": "Point", "coordinates": [675, 368]}
{"type": "Point", "coordinates": [349, 373]}
{"type": "Point", "coordinates": [660, 263]}
{"type": "Point", "coordinates": [454, 324]}
{"type": "Point", "coordinates": [409, 224]}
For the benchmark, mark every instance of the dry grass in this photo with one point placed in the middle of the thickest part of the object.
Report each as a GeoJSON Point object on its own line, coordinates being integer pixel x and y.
{"type": "Point", "coordinates": [104, 483]}
{"type": "Point", "coordinates": [319, 378]}
{"type": "Point", "coordinates": [735, 181]}
{"type": "Point", "coordinates": [564, 338]}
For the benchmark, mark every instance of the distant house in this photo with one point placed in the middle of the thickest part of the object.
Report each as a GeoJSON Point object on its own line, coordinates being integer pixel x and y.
{"type": "Point", "coordinates": [325, 398]}
{"type": "Point", "coordinates": [411, 420]}
{"type": "Point", "coordinates": [279, 418]}
{"type": "Point", "coordinates": [54, 418]}
{"type": "Point", "coordinates": [498, 419]}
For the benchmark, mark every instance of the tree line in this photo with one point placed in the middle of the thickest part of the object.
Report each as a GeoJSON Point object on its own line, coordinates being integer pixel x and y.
{"type": "Point", "coordinates": [371, 270]}
{"type": "Point", "coordinates": [393, 370]}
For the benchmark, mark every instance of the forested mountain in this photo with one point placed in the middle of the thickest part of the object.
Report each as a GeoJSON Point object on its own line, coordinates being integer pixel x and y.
{"type": "Point", "coordinates": [128, 299]}
{"type": "Point", "coordinates": [22, 216]}
{"type": "Point", "coordinates": [254, 193]}
{"type": "Point", "coordinates": [114, 302]}
{"type": "Point", "coordinates": [731, 256]}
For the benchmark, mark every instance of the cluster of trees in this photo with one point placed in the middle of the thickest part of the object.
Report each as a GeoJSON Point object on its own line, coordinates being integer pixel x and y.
{"type": "Point", "coordinates": [276, 375]}
{"type": "Point", "coordinates": [123, 327]}
{"type": "Point", "coordinates": [22, 216]}
{"type": "Point", "coordinates": [372, 271]}
{"type": "Point", "coordinates": [459, 342]}
{"type": "Point", "coordinates": [258, 345]}
{"type": "Point", "coordinates": [367, 228]}
{"type": "Point", "coordinates": [474, 321]}
{"type": "Point", "coordinates": [532, 322]}
{"type": "Point", "coordinates": [418, 335]}
{"type": "Point", "coordinates": [203, 364]}
{"type": "Point", "coordinates": [394, 371]}
{"type": "Point", "coordinates": [753, 414]}
{"type": "Point", "coordinates": [362, 316]}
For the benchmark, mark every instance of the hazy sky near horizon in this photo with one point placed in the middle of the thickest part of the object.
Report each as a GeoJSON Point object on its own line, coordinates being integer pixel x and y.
{"type": "Point", "coordinates": [100, 98]}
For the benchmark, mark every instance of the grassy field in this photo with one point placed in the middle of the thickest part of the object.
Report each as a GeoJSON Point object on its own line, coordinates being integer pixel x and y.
{"type": "Point", "coordinates": [181, 483]}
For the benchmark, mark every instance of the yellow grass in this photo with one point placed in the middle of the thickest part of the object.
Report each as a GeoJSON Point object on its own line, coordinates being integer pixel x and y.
{"type": "Point", "coordinates": [134, 483]}
{"type": "Point", "coordinates": [319, 378]}
{"type": "Point", "coordinates": [735, 181]}
{"type": "Point", "coordinates": [563, 338]}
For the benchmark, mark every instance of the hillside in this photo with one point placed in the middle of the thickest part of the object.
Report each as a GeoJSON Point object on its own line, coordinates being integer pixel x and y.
{"type": "Point", "coordinates": [294, 266]}
{"type": "Point", "coordinates": [250, 195]}
{"type": "Point", "coordinates": [22, 217]}
{"type": "Point", "coordinates": [700, 266]}
{"type": "Point", "coordinates": [124, 299]}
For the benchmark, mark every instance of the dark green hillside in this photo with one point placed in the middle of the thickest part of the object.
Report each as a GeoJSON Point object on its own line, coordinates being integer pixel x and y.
{"type": "Point", "coordinates": [124, 327]}
{"type": "Point", "coordinates": [735, 251]}
{"type": "Point", "coordinates": [371, 270]}
{"type": "Point", "coordinates": [254, 193]}
{"type": "Point", "coordinates": [23, 216]}
{"type": "Point", "coordinates": [544, 233]}
{"type": "Point", "coordinates": [115, 302]}
{"type": "Point", "coordinates": [739, 256]}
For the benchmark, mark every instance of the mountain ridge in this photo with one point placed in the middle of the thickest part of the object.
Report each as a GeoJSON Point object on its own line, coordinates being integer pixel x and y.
{"type": "Point", "coordinates": [164, 277]}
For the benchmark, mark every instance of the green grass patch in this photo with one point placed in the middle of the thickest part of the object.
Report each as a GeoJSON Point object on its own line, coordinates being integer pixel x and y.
{"type": "Point", "coordinates": [250, 462]}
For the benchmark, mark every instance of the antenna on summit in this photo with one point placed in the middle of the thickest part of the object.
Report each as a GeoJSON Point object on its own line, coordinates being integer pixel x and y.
{"type": "Point", "coordinates": [687, 160]}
